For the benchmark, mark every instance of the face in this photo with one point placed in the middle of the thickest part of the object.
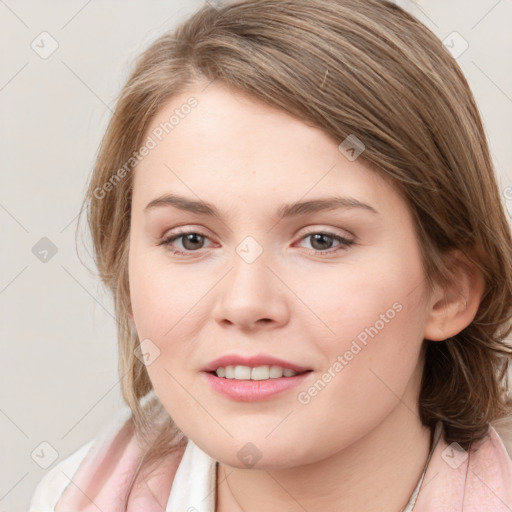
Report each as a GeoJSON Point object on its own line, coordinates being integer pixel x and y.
{"type": "Point", "coordinates": [335, 293]}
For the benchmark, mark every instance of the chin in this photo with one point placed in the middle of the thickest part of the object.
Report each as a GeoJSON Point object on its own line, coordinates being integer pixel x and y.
{"type": "Point", "coordinates": [244, 454]}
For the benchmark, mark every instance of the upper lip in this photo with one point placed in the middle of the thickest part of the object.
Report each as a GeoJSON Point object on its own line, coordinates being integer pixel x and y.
{"type": "Point", "coordinates": [251, 361]}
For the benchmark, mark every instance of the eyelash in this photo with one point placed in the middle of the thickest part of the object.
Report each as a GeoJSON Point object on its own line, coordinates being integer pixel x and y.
{"type": "Point", "coordinates": [345, 243]}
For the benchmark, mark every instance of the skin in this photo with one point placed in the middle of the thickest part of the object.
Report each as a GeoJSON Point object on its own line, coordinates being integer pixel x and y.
{"type": "Point", "coordinates": [359, 443]}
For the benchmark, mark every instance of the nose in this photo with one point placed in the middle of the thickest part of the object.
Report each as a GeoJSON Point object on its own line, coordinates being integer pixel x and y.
{"type": "Point", "coordinates": [251, 297]}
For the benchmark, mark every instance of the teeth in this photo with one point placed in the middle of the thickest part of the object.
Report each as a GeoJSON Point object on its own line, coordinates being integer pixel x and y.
{"type": "Point", "coordinates": [242, 373]}
{"type": "Point", "coordinates": [256, 373]}
{"type": "Point", "coordinates": [260, 373]}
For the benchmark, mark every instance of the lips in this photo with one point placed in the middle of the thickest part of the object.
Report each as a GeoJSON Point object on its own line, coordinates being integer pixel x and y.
{"type": "Point", "coordinates": [253, 390]}
{"type": "Point", "coordinates": [252, 361]}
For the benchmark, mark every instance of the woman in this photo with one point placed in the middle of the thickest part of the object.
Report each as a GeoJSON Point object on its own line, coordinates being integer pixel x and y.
{"type": "Point", "coordinates": [295, 209]}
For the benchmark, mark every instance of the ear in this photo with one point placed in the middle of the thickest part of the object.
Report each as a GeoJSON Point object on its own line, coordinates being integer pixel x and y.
{"type": "Point", "coordinates": [453, 306]}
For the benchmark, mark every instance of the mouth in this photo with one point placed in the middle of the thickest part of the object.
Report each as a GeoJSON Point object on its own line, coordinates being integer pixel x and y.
{"type": "Point", "coordinates": [240, 366]}
{"type": "Point", "coordinates": [264, 372]}
{"type": "Point", "coordinates": [252, 382]}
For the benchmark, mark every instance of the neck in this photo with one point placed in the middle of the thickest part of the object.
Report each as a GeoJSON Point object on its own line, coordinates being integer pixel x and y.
{"type": "Point", "coordinates": [376, 473]}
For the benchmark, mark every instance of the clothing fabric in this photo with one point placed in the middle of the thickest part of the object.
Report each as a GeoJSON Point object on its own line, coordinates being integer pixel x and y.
{"type": "Point", "coordinates": [99, 476]}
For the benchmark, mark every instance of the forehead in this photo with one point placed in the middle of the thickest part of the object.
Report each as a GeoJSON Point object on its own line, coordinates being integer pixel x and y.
{"type": "Point", "coordinates": [232, 145]}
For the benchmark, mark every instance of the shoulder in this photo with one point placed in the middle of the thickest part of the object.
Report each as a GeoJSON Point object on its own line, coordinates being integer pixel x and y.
{"type": "Point", "coordinates": [115, 468]}
{"type": "Point", "coordinates": [490, 471]}
{"type": "Point", "coordinates": [473, 480]}
{"type": "Point", "coordinates": [489, 459]}
{"type": "Point", "coordinates": [487, 475]}
{"type": "Point", "coordinates": [51, 487]}
{"type": "Point", "coordinates": [503, 427]}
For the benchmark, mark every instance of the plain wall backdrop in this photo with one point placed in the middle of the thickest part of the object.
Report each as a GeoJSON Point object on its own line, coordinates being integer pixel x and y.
{"type": "Point", "coordinates": [63, 64]}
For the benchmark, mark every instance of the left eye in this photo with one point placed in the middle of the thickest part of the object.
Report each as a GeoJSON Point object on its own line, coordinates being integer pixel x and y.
{"type": "Point", "coordinates": [321, 239]}
{"type": "Point", "coordinates": [190, 240]}
{"type": "Point", "coordinates": [193, 241]}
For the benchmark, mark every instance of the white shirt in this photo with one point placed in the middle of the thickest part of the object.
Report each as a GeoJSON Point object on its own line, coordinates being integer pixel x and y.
{"type": "Point", "coordinates": [194, 485]}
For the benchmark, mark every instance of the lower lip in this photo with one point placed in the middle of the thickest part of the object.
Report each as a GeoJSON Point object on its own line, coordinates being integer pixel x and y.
{"type": "Point", "coordinates": [253, 390]}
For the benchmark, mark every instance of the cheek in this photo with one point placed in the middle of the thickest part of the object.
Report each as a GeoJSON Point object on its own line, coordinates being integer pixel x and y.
{"type": "Point", "coordinates": [379, 297]}
{"type": "Point", "coordinates": [168, 304]}
{"type": "Point", "coordinates": [163, 298]}
{"type": "Point", "coordinates": [376, 316]}
{"type": "Point", "coordinates": [165, 318]}
{"type": "Point", "coordinates": [372, 368]}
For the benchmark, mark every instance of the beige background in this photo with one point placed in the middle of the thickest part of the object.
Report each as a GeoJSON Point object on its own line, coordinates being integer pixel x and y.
{"type": "Point", "coordinates": [58, 364]}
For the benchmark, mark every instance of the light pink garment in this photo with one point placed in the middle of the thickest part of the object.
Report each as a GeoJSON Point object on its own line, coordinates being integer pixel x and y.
{"type": "Point", "coordinates": [454, 481]}
{"type": "Point", "coordinates": [476, 481]}
{"type": "Point", "coordinates": [103, 479]}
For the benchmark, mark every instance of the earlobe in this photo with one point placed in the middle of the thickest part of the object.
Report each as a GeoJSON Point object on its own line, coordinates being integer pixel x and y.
{"type": "Point", "coordinates": [454, 305]}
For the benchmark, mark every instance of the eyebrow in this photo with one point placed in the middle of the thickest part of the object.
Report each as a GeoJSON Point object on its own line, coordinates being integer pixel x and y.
{"type": "Point", "coordinates": [285, 211]}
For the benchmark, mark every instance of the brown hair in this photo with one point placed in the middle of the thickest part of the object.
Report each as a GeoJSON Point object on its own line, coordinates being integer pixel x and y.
{"type": "Point", "coordinates": [364, 68]}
